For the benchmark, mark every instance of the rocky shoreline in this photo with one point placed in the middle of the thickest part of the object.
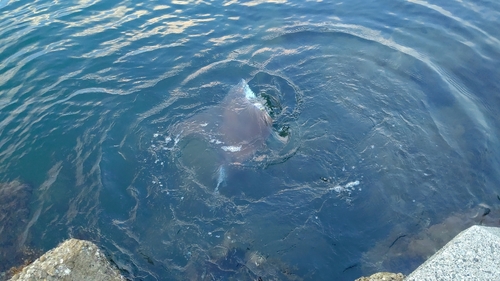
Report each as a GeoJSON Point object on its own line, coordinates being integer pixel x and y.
{"type": "Point", "coordinates": [474, 253]}
{"type": "Point", "coordinates": [72, 260]}
{"type": "Point", "coordinates": [83, 260]}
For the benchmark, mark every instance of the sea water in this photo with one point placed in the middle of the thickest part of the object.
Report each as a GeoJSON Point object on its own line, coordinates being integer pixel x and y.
{"type": "Point", "coordinates": [385, 131]}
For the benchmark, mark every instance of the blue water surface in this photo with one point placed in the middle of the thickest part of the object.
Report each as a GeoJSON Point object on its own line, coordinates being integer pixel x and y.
{"type": "Point", "coordinates": [385, 132]}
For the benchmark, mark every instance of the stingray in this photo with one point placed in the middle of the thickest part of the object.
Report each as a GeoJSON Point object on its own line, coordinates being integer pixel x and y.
{"type": "Point", "coordinates": [235, 129]}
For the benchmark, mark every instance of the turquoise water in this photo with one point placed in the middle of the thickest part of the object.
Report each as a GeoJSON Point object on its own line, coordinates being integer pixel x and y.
{"type": "Point", "coordinates": [384, 124]}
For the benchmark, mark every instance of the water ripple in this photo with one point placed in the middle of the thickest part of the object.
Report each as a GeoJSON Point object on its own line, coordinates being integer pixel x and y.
{"type": "Point", "coordinates": [383, 118]}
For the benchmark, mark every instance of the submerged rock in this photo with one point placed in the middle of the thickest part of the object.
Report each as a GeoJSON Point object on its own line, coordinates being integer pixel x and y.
{"type": "Point", "coordinates": [72, 260]}
{"type": "Point", "coordinates": [14, 217]}
{"type": "Point", "coordinates": [233, 259]}
{"type": "Point", "coordinates": [405, 249]}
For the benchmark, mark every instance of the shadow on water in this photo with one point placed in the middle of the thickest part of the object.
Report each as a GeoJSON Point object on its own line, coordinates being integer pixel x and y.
{"type": "Point", "coordinates": [14, 220]}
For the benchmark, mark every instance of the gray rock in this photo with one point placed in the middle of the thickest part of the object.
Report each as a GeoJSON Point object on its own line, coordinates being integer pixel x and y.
{"type": "Point", "coordinates": [72, 260]}
{"type": "Point", "coordinates": [383, 276]}
{"type": "Point", "coordinates": [474, 254]}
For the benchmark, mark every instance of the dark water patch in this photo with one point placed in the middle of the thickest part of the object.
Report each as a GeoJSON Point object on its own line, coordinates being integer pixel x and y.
{"type": "Point", "coordinates": [14, 220]}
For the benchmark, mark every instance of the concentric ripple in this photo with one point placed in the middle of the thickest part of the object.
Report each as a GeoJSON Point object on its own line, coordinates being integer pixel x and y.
{"type": "Point", "coordinates": [384, 125]}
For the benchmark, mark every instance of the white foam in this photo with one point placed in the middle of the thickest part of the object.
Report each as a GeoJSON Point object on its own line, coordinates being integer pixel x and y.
{"type": "Point", "coordinates": [348, 187]}
{"type": "Point", "coordinates": [259, 106]}
{"type": "Point", "coordinates": [216, 141]}
{"type": "Point", "coordinates": [337, 188]}
{"type": "Point", "coordinates": [231, 148]}
{"type": "Point", "coordinates": [352, 184]}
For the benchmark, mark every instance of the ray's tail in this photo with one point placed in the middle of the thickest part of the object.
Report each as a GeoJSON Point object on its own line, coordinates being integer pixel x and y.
{"type": "Point", "coordinates": [221, 177]}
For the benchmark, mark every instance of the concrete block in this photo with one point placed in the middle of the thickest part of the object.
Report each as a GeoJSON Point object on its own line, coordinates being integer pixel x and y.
{"type": "Point", "coordinates": [474, 254]}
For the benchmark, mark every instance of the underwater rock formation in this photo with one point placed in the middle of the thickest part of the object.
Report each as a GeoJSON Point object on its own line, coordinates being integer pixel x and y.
{"type": "Point", "coordinates": [404, 249]}
{"type": "Point", "coordinates": [14, 217]}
